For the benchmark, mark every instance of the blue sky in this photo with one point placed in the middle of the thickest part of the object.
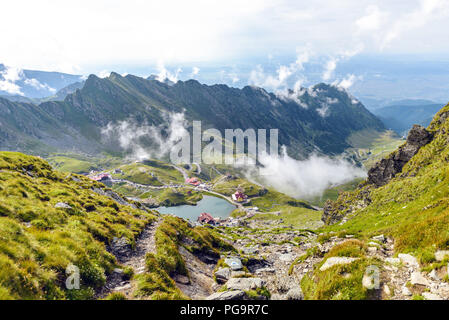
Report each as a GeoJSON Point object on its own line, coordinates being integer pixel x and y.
{"type": "Point", "coordinates": [271, 43]}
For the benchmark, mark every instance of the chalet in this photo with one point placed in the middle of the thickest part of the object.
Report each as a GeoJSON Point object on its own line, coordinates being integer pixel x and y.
{"type": "Point", "coordinates": [193, 181]}
{"type": "Point", "coordinates": [239, 197]}
{"type": "Point", "coordinates": [206, 218]}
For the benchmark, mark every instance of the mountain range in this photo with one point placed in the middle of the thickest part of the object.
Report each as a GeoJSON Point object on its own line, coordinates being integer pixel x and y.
{"type": "Point", "coordinates": [402, 115]}
{"type": "Point", "coordinates": [318, 119]}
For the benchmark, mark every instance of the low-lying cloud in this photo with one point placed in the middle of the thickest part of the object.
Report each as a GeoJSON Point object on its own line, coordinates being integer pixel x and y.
{"type": "Point", "coordinates": [303, 178]}
{"type": "Point", "coordinates": [135, 139]}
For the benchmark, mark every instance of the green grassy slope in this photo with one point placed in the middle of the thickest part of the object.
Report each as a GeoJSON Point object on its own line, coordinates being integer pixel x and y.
{"type": "Point", "coordinates": [414, 206]}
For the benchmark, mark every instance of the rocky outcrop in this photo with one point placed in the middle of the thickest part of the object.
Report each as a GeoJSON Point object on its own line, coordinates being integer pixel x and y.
{"type": "Point", "coordinates": [388, 168]}
{"type": "Point", "coordinates": [379, 175]}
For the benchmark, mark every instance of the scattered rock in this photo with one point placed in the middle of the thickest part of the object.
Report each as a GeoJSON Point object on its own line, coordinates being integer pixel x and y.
{"type": "Point", "coordinates": [393, 261]}
{"type": "Point", "coordinates": [234, 263]}
{"type": "Point", "coordinates": [417, 278]}
{"type": "Point", "coordinates": [434, 276]}
{"type": "Point", "coordinates": [265, 270]}
{"type": "Point", "coordinates": [372, 249]}
{"type": "Point", "coordinates": [62, 205]}
{"type": "Point", "coordinates": [250, 250]}
{"type": "Point", "coordinates": [286, 257]}
{"type": "Point", "coordinates": [237, 274]}
{"type": "Point", "coordinates": [244, 284]}
{"type": "Point", "coordinates": [179, 278]}
{"type": "Point", "coordinates": [380, 238]}
{"type": "Point", "coordinates": [408, 259]}
{"type": "Point", "coordinates": [122, 288]}
{"type": "Point", "coordinates": [120, 247]}
{"type": "Point", "coordinates": [118, 271]}
{"type": "Point", "coordinates": [431, 296]}
{"type": "Point", "coordinates": [228, 295]}
{"type": "Point", "coordinates": [222, 275]}
{"type": "Point", "coordinates": [406, 291]}
{"type": "Point", "coordinates": [295, 293]}
{"type": "Point", "coordinates": [387, 290]}
{"type": "Point", "coordinates": [332, 261]}
{"type": "Point", "coordinates": [440, 255]}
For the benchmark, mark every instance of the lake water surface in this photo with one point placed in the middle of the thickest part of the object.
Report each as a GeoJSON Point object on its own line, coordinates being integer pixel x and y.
{"type": "Point", "coordinates": [217, 207]}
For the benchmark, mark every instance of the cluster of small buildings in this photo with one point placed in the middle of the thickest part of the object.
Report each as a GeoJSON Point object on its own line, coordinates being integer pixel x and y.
{"type": "Point", "coordinates": [101, 177]}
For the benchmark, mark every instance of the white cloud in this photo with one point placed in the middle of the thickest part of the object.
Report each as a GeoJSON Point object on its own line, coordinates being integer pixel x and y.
{"type": "Point", "coordinates": [304, 178]}
{"type": "Point", "coordinates": [347, 82]}
{"type": "Point", "coordinates": [372, 21]}
{"type": "Point", "coordinates": [165, 74]}
{"type": "Point", "coordinates": [140, 33]}
{"type": "Point", "coordinates": [104, 74]}
{"type": "Point", "coordinates": [130, 135]}
{"type": "Point", "coordinates": [38, 85]}
{"type": "Point", "coordinates": [8, 79]}
{"type": "Point", "coordinates": [331, 64]}
{"type": "Point", "coordinates": [195, 72]}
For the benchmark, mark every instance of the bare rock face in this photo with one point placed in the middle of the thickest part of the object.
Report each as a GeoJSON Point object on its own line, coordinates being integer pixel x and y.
{"type": "Point", "coordinates": [388, 168]}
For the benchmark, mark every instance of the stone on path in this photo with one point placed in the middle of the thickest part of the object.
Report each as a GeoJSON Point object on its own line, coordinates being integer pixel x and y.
{"type": "Point", "coordinates": [393, 261]}
{"type": "Point", "coordinates": [408, 259]}
{"type": "Point", "coordinates": [431, 296]}
{"type": "Point", "coordinates": [227, 295]}
{"type": "Point", "coordinates": [332, 261]}
{"type": "Point", "coordinates": [244, 284]}
{"type": "Point", "coordinates": [222, 275]}
{"type": "Point", "coordinates": [406, 291]}
{"type": "Point", "coordinates": [417, 278]}
{"type": "Point", "coordinates": [234, 263]}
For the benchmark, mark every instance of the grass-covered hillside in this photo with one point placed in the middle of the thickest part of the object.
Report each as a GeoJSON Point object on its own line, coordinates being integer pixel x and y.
{"type": "Point", "coordinates": [50, 220]}
{"type": "Point", "coordinates": [39, 238]}
{"type": "Point", "coordinates": [413, 207]}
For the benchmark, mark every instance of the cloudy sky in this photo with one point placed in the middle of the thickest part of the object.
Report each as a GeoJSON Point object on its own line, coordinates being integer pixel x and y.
{"type": "Point", "coordinates": [265, 41]}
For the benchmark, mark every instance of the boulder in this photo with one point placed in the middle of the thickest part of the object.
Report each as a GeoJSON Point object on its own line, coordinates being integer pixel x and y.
{"type": "Point", "coordinates": [234, 263]}
{"type": "Point", "coordinates": [406, 291]}
{"type": "Point", "coordinates": [440, 255]}
{"type": "Point", "coordinates": [408, 259]}
{"type": "Point", "coordinates": [179, 278]}
{"type": "Point", "coordinates": [332, 261]}
{"type": "Point", "coordinates": [265, 270]}
{"type": "Point", "coordinates": [62, 205]}
{"type": "Point", "coordinates": [244, 284]}
{"type": "Point", "coordinates": [380, 238]}
{"type": "Point", "coordinates": [417, 278]}
{"type": "Point", "coordinates": [434, 276]}
{"type": "Point", "coordinates": [286, 257]}
{"type": "Point", "coordinates": [222, 275]}
{"type": "Point", "coordinates": [431, 296]}
{"type": "Point", "coordinates": [228, 295]}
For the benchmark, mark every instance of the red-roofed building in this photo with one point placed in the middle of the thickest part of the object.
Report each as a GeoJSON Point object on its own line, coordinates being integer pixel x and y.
{"type": "Point", "coordinates": [239, 197]}
{"type": "Point", "coordinates": [206, 218]}
{"type": "Point", "coordinates": [193, 181]}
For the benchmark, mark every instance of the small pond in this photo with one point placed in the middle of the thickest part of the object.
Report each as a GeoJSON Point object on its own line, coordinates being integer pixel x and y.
{"type": "Point", "coordinates": [217, 207]}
